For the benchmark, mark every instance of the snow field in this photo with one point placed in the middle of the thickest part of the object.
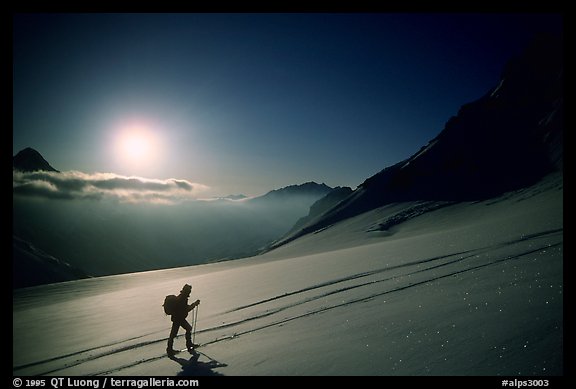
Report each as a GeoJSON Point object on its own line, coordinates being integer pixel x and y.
{"type": "Point", "coordinates": [466, 289]}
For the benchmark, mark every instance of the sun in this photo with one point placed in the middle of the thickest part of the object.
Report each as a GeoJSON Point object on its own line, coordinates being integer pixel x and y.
{"type": "Point", "coordinates": [136, 144]}
{"type": "Point", "coordinates": [137, 147]}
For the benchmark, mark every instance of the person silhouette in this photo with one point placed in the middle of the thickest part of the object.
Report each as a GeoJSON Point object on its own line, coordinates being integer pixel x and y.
{"type": "Point", "coordinates": [178, 317]}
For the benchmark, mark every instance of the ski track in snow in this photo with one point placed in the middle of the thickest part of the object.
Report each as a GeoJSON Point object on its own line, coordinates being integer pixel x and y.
{"type": "Point", "coordinates": [439, 267]}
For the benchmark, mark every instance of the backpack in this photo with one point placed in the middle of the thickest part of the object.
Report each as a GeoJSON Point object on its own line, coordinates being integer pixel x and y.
{"type": "Point", "coordinates": [170, 304]}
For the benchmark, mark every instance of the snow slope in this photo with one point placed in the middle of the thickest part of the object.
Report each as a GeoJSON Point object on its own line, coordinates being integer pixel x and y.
{"type": "Point", "coordinates": [448, 289]}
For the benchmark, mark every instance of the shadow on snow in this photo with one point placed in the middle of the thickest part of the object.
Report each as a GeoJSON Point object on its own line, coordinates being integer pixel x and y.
{"type": "Point", "coordinates": [194, 367]}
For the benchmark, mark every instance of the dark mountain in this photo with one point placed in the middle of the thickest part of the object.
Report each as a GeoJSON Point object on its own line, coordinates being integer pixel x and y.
{"type": "Point", "coordinates": [32, 266]}
{"type": "Point", "coordinates": [30, 160]}
{"type": "Point", "coordinates": [508, 139]}
{"type": "Point", "coordinates": [308, 189]}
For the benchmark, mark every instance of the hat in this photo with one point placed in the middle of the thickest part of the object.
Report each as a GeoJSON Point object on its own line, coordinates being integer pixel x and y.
{"type": "Point", "coordinates": [187, 288]}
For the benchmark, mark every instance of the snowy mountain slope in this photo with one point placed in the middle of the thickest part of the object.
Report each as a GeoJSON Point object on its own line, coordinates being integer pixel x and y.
{"type": "Point", "coordinates": [473, 288]}
{"type": "Point", "coordinates": [508, 139]}
{"type": "Point", "coordinates": [31, 266]}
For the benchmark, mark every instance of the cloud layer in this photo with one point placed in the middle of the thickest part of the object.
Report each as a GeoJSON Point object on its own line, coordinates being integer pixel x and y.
{"type": "Point", "coordinates": [74, 185]}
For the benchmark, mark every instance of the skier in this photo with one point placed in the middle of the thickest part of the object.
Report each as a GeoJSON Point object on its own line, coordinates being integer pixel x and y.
{"type": "Point", "coordinates": [179, 312]}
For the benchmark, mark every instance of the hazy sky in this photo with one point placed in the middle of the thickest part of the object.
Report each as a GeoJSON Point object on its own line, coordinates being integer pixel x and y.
{"type": "Point", "coordinates": [246, 103]}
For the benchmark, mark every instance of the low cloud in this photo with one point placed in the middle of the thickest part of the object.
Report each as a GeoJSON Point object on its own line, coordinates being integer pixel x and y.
{"type": "Point", "coordinates": [73, 185]}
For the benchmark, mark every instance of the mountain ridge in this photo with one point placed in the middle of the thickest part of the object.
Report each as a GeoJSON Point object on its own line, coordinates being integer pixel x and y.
{"type": "Point", "coordinates": [508, 139]}
{"type": "Point", "coordinates": [309, 188]}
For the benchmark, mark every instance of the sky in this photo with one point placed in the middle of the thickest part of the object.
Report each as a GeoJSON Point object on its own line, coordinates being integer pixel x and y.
{"type": "Point", "coordinates": [247, 103]}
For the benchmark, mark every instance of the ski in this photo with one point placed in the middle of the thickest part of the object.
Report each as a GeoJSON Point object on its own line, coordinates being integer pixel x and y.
{"type": "Point", "coordinates": [193, 348]}
{"type": "Point", "coordinates": [186, 349]}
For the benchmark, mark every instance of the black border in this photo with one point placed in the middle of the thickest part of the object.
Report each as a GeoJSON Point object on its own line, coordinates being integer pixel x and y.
{"type": "Point", "coordinates": [410, 7]}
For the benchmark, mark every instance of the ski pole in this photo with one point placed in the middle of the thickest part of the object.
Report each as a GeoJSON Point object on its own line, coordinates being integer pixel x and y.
{"type": "Point", "coordinates": [194, 327]}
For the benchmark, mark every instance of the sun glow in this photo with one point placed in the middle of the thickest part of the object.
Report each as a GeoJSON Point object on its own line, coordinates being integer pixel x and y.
{"type": "Point", "coordinates": [136, 144]}
{"type": "Point", "coordinates": [137, 147]}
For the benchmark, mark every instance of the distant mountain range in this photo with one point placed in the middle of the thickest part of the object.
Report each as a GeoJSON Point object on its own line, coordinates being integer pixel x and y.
{"type": "Point", "coordinates": [232, 197]}
{"type": "Point", "coordinates": [508, 139]}
{"type": "Point", "coordinates": [139, 237]}
{"type": "Point", "coordinates": [292, 192]}
{"type": "Point", "coordinates": [311, 188]}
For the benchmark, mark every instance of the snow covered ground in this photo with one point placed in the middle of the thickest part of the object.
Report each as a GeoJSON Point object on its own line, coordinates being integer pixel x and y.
{"type": "Point", "coordinates": [463, 289]}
